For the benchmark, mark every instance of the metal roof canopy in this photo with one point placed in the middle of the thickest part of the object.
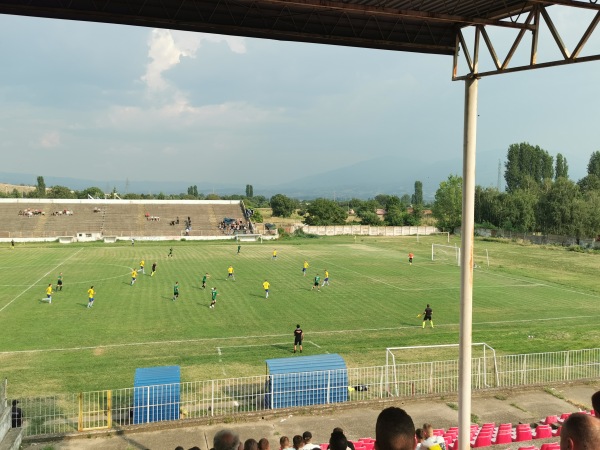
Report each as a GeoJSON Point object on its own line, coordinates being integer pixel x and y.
{"type": "Point", "coordinates": [424, 26]}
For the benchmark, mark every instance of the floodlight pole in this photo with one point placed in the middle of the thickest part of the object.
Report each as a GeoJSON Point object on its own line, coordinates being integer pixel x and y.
{"type": "Point", "coordinates": [466, 264]}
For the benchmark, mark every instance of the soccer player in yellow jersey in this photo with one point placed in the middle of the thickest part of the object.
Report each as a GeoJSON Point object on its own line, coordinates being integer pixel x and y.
{"type": "Point", "coordinates": [230, 273]}
{"type": "Point", "coordinates": [266, 285]}
{"type": "Point", "coordinates": [133, 276]}
{"type": "Point", "coordinates": [274, 254]}
{"type": "Point", "coordinates": [49, 293]}
{"type": "Point", "coordinates": [91, 294]}
{"type": "Point", "coordinates": [142, 264]}
{"type": "Point", "coordinates": [304, 267]}
{"type": "Point", "coordinates": [326, 279]}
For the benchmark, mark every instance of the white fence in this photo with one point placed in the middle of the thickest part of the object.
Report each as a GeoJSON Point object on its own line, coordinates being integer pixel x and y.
{"type": "Point", "coordinates": [225, 397]}
{"type": "Point", "coordinates": [367, 230]}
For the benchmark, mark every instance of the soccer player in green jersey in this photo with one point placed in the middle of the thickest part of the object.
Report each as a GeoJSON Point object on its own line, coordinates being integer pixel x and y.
{"type": "Point", "coordinates": [214, 294]}
{"type": "Point", "coordinates": [176, 291]}
{"type": "Point", "coordinates": [316, 283]}
{"type": "Point", "coordinates": [204, 278]}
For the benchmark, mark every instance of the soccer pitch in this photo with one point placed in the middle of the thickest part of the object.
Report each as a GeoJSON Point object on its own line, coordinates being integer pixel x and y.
{"type": "Point", "coordinates": [372, 302]}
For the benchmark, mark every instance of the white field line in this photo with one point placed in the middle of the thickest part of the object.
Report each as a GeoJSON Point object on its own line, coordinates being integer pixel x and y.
{"type": "Point", "coordinates": [311, 342]}
{"type": "Point", "coordinates": [40, 279]}
{"type": "Point", "coordinates": [324, 333]}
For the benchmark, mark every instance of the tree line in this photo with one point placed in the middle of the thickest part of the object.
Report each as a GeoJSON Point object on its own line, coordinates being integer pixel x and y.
{"type": "Point", "coordinates": [539, 196]}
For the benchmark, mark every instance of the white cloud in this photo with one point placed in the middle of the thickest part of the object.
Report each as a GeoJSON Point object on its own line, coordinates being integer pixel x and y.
{"type": "Point", "coordinates": [167, 47]}
{"type": "Point", "coordinates": [50, 139]}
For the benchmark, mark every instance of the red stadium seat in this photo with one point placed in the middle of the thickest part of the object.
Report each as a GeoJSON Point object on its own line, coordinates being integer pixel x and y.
{"type": "Point", "coordinates": [503, 437]}
{"type": "Point", "coordinates": [543, 432]}
{"type": "Point", "coordinates": [556, 432]}
{"type": "Point", "coordinates": [483, 440]}
{"type": "Point", "coordinates": [550, 446]}
{"type": "Point", "coordinates": [523, 433]}
{"type": "Point", "coordinates": [550, 420]}
{"type": "Point", "coordinates": [529, 447]}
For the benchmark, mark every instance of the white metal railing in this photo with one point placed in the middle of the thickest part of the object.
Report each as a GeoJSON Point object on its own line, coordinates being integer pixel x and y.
{"type": "Point", "coordinates": [223, 397]}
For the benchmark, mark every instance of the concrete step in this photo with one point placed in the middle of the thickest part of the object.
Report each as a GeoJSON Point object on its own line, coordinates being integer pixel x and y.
{"type": "Point", "coordinates": [12, 440]}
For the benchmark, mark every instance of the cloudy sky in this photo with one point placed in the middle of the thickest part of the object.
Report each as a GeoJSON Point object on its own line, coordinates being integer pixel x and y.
{"type": "Point", "coordinates": [110, 102]}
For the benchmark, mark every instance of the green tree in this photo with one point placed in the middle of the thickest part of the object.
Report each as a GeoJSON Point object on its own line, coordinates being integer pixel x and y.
{"type": "Point", "coordinates": [93, 191]}
{"type": "Point", "coordinates": [590, 182]}
{"type": "Point", "coordinates": [405, 200]}
{"type": "Point", "coordinates": [282, 205]}
{"type": "Point", "coordinates": [368, 217]}
{"type": "Point", "coordinates": [249, 191]}
{"type": "Point", "coordinates": [447, 206]}
{"type": "Point", "coordinates": [193, 191]}
{"type": "Point", "coordinates": [40, 190]}
{"type": "Point", "coordinates": [60, 192]}
{"type": "Point", "coordinates": [213, 196]}
{"type": "Point", "coordinates": [526, 160]}
{"type": "Point", "coordinates": [417, 197]}
{"type": "Point", "coordinates": [593, 167]}
{"type": "Point", "coordinates": [520, 209]}
{"type": "Point", "coordinates": [394, 216]}
{"type": "Point", "coordinates": [323, 211]}
{"type": "Point", "coordinates": [557, 209]}
{"type": "Point", "coordinates": [562, 168]}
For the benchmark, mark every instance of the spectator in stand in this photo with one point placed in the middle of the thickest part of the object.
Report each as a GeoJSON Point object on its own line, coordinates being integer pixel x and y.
{"type": "Point", "coordinates": [394, 430]}
{"type": "Point", "coordinates": [17, 415]}
{"type": "Point", "coordinates": [264, 444]}
{"type": "Point", "coordinates": [596, 404]}
{"type": "Point", "coordinates": [297, 442]}
{"type": "Point", "coordinates": [337, 441]}
{"type": "Point", "coordinates": [580, 432]}
{"type": "Point", "coordinates": [284, 443]}
{"type": "Point", "coordinates": [430, 440]}
{"type": "Point", "coordinates": [226, 440]}
{"type": "Point", "coordinates": [419, 435]}
{"type": "Point", "coordinates": [250, 444]}
{"type": "Point", "coordinates": [350, 444]}
{"type": "Point", "coordinates": [307, 437]}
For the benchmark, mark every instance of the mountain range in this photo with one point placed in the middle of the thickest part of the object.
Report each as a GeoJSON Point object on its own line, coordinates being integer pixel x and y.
{"type": "Point", "coordinates": [393, 175]}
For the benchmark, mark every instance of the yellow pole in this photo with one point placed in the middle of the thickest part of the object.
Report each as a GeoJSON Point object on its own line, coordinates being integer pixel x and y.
{"type": "Point", "coordinates": [80, 415]}
{"type": "Point", "coordinates": [109, 409]}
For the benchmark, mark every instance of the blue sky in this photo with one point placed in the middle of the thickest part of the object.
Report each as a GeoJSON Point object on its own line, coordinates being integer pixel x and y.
{"type": "Point", "coordinates": [110, 102]}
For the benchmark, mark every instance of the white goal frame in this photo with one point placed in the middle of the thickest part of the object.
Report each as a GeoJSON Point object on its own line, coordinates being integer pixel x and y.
{"type": "Point", "coordinates": [248, 237]}
{"type": "Point", "coordinates": [390, 362]}
{"type": "Point", "coordinates": [455, 249]}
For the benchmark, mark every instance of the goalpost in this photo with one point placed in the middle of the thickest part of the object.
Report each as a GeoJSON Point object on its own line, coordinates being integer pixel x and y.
{"type": "Point", "coordinates": [249, 238]}
{"type": "Point", "coordinates": [434, 370]}
{"type": "Point", "coordinates": [448, 253]}
{"type": "Point", "coordinates": [440, 252]}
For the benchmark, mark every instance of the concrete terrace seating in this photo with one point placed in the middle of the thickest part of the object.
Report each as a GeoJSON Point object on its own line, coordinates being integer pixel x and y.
{"type": "Point", "coordinates": [121, 218]}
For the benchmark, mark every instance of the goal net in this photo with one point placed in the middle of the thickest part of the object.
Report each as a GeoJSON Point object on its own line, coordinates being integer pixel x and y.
{"type": "Point", "coordinates": [445, 253]}
{"type": "Point", "coordinates": [248, 237]}
{"type": "Point", "coordinates": [433, 369]}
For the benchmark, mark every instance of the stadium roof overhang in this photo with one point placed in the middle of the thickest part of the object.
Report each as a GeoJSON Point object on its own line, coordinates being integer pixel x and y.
{"type": "Point", "coordinates": [424, 26]}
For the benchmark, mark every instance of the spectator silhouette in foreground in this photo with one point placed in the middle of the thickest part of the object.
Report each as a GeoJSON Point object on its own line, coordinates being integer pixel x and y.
{"type": "Point", "coordinates": [350, 443]}
{"type": "Point", "coordinates": [284, 443]}
{"type": "Point", "coordinates": [226, 440]}
{"type": "Point", "coordinates": [596, 403]}
{"type": "Point", "coordinates": [297, 442]}
{"type": "Point", "coordinates": [250, 444]}
{"type": "Point", "coordinates": [338, 441]}
{"type": "Point", "coordinates": [264, 444]}
{"type": "Point", "coordinates": [307, 435]}
{"type": "Point", "coordinates": [394, 430]}
{"type": "Point", "coordinates": [580, 432]}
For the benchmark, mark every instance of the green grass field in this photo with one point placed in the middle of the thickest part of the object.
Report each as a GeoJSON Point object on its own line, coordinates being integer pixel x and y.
{"type": "Point", "coordinates": [551, 294]}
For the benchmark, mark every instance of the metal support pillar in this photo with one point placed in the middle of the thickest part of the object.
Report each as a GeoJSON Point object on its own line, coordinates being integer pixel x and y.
{"type": "Point", "coordinates": [466, 264]}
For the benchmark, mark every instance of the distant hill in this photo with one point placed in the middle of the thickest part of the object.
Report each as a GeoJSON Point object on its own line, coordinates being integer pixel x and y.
{"type": "Point", "coordinates": [394, 175]}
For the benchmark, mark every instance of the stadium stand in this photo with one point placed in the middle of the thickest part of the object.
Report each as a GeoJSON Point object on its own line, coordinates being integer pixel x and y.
{"type": "Point", "coordinates": [119, 218]}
